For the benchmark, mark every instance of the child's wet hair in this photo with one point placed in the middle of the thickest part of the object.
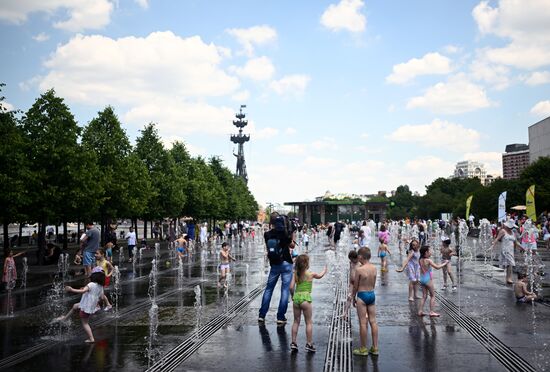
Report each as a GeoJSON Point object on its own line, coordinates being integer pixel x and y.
{"type": "Point", "coordinates": [101, 251]}
{"type": "Point", "coordinates": [352, 255]}
{"type": "Point", "coordinates": [521, 275]}
{"type": "Point", "coordinates": [98, 277]}
{"type": "Point", "coordinates": [302, 264]}
{"type": "Point", "coordinates": [424, 250]}
{"type": "Point", "coordinates": [365, 253]}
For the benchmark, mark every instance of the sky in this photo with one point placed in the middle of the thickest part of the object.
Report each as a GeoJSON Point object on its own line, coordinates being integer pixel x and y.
{"type": "Point", "coordinates": [345, 96]}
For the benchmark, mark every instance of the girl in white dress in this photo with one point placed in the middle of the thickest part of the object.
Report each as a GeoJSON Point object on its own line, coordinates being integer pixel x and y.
{"type": "Point", "coordinates": [88, 304]}
{"type": "Point", "coordinates": [508, 242]}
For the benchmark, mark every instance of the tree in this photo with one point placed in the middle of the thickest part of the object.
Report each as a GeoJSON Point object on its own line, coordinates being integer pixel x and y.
{"type": "Point", "coordinates": [14, 170]}
{"type": "Point", "coordinates": [105, 137]}
{"type": "Point", "coordinates": [404, 203]}
{"type": "Point", "coordinates": [537, 174]}
{"type": "Point", "coordinates": [205, 193]}
{"type": "Point", "coordinates": [63, 174]}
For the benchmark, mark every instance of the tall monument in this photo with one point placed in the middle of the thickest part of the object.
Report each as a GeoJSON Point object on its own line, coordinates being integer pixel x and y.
{"type": "Point", "coordinates": [240, 139]}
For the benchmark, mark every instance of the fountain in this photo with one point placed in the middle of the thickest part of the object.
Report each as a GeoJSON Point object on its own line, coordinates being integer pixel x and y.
{"type": "Point", "coordinates": [24, 273]}
{"type": "Point", "coordinates": [141, 255]}
{"type": "Point", "coordinates": [180, 274]}
{"type": "Point", "coordinates": [10, 285]}
{"type": "Point", "coordinates": [153, 314]}
{"type": "Point", "coordinates": [120, 256]}
{"type": "Point", "coordinates": [246, 275]}
{"type": "Point", "coordinates": [115, 294]}
{"type": "Point", "coordinates": [134, 255]}
{"type": "Point", "coordinates": [198, 310]}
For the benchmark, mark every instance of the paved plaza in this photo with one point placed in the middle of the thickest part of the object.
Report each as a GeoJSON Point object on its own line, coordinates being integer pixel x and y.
{"type": "Point", "coordinates": [480, 328]}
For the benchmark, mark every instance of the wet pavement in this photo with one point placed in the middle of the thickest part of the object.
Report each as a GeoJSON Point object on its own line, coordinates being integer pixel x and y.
{"type": "Point", "coordinates": [480, 328]}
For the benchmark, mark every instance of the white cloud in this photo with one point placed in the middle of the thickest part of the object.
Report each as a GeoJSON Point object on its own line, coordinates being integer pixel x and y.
{"type": "Point", "coordinates": [253, 36]}
{"type": "Point", "coordinates": [538, 78]}
{"type": "Point", "coordinates": [177, 116]}
{"type": "Point", "coordinates": [451, 49]}
{"type": "Point", "coordinates": [241, 96]}
{"type": "Point", "coordinates": [259, 69]}
{"type": "Point", "coordinates": [265, 133]}
{"type": "Point", "coordinates": [492, 161]}
{"type": "Point", "coordinates": [368, 150]}
{"type": "Point", "coordinates": [142, 3]}
{"type": "Point", "coordinates": [82, 14]}
{"type": "Point", "coordinates": [541, 109]}
{"type": "Point", "coordinates": [439, 134]}
{"type": "Point", "coordinates": [291, 149]}
{"type": "Point", "coordinates": [346, 15]}
{"type": "Point", "coordinates": [524, 24]}
{"type": "Point", "coordinates": [290, 131]}
{"type": "Point", "coordinates": [323, 144]}
{"type": "Point", "coordinates": [432, 164]}
{"type": "Point", "coordinates": [364, 135]}
{"type": "Point", "coordinates": [135, 70]}
{"type": "Point", "coordinates": [6, 106]}
{"type": "Point", "coordinates": [495, 75]}
{"type": "Point", "coordinates": [429, 64]}
{"type": "Point", "coordinates": [290, 85]}
{"type": "Point", "coordinates": [41, 37]}
{"type": "Point", "coordinates": [456, 96]}
{"type": "Point", "coordinates": [319, 162]}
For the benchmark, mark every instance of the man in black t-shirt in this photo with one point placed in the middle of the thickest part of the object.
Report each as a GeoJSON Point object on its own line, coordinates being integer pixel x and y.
{"type": "Point", "coordinates": [281, 265]}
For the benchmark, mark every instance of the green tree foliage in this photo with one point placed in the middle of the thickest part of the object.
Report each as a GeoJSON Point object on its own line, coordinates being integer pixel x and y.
{"type": "Point", "coordinates": [167, 197]}
{"type": "Point", "coordinates": [538, 174]}
{"type": "Point", "coordinates": [105, 138]}
{"type": "Point", "coordinates": [405, 203]}
{"type": "Point", "coordinates": [14, 170]}
{"type": "Point", "coordinates": [205, 194]}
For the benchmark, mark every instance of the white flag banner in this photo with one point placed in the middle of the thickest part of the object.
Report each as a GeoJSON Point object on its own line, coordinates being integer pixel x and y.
{"type": "Point", "coordinates": [502, 207]}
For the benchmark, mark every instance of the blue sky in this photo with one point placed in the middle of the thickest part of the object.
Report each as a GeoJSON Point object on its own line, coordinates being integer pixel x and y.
{"type": "Point", "coordinates": [349, 96]}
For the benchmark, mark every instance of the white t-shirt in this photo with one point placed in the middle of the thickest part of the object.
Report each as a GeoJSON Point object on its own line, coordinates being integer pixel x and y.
{"type": "Point", "coordinates": [366, 230]}
{"type": "Point", "coordinates": [131, 236]}
{"type": "Point", "coordinates": [305, 238]}
{"type": "Point", "coordinates": [89, 300]}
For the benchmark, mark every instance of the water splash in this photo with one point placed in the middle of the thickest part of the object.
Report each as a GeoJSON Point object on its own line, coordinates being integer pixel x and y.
{"type": "Point", "coordinates": [115, 294]}
{"type": "Point", "coordinates": [198, 310]}
{"type": "Point", "coordinates": [180, 274]}
{"type": "Point", "coordinates": [152, 353]}
{"type": "Point", "coordinates": [24, 273]}
{"type": "Point", "coordinates": [120, 256]}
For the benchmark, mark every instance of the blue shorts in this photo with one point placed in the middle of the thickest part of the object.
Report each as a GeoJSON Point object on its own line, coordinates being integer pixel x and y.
{"type": "Point", "coordinates": [109, 252]}
{"type": "Point", "coordinates": [368, 297]}
{"type": "Point", "coordinates": [88, 258]}
{"type": "Point", "coordinates": [382, 254]}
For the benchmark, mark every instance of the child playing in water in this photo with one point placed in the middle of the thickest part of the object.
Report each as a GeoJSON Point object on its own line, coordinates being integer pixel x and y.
{"type": "Point", "coordinates": [353, 265]}
{"type": "Point", "coordinates": [413, 268]}
{"type": "Point", "coordinates": [9, 275]}
{"type": "Point", "coordinates": [426, 265]}
{"type": "Point", "coordinates": [446, 253]}
{"type": "Point", "coordinates": [364, 283]}
{"type": "Point", "coordinates": [181, 247]}
{"type": "Point", "coordinates": [521, 292]}
{"type": "Point", "coordinates": [305, 240]}
{"type": "Point", "coordinates": [107, 269]}
{"type": "Point", "coordinates": [225, 259]}
{"type": "Point", "coordinates": [87, 306]}
{"type": "Point", "coordinates": [301, 283]}
{"type": "Point", "coordinates": [383, 251]}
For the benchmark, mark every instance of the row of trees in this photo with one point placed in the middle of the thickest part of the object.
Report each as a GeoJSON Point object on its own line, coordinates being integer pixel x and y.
{"type": "Point", "coordinates": [445, 195]}
{"type": "Point", "coordinates": [52, 171]}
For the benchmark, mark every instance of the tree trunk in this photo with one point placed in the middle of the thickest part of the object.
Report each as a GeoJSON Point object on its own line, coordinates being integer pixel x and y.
{"type": "Point", "coordinates": [65, 235]}
{"type": "Point", "coordinates": [6, 239]}
{"type": "Point", "coordinates": [145, 229]}
{"type": "Point", "coordinates": [78, 232]}
{"type": "Point", "coordinates": [20, 234]}
{"type": "Point", "coordinates": [41, 243]}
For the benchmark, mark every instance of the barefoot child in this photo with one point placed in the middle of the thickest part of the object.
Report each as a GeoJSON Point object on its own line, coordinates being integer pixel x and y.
{"type": "Point", "coordinates": [87, 306]}
{"type": "Point", "coordinates": [301, 284]}
{"type": "Point", "coordinates": [383, 251]}
{"type": "Point", "coordinates": [353, 265]}
{"type": "Point", "coordinates": [225, 259]}
{"type": "Point", "coordinates": [364, 283]}
{"type": "Point", "coordinates": [521, 292]}
{"type": "Point", "coordinates": [9, 275]}
{"type": "Point", "coordinates": [413, 268]}
{"type": "Point", "coordinates": [426, 265]}
{"type": "Point", "coordinates": [446, 253]}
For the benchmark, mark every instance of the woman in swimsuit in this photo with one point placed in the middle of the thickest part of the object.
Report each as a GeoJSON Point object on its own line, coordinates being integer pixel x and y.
{"type": "Point", "coordinates": [301, 285]}
{"type": "Point", "coordinates": [426, 265]}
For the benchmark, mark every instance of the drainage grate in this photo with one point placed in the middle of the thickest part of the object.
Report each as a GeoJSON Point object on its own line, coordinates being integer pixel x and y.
{"type": "Point", "coordinates": [505, 355]}
{"type": "Point", "coordinates": [172, 359]}
{"type": "Point", "coordinates": [339, 357]}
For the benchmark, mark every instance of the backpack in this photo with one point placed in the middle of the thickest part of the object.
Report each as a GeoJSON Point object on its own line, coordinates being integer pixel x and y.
{"type": "Point", "coordinates": [274, 250]}
{"type": "Point", "coordinates": [282, 228]}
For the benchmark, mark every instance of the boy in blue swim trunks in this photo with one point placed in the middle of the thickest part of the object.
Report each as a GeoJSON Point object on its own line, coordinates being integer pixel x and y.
{"type": "Point", "coordinates": [364, 283]}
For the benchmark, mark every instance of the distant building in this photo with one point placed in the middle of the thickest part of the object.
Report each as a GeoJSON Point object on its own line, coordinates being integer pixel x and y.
{"type": "Point", "coordinates": [539, 140]}
{"type": "Point", "coordinates": [489, 180]}
{"type": "Point", "coordinates": [514, 160]}
{"type": "Point", "coordinates": [470, 169]}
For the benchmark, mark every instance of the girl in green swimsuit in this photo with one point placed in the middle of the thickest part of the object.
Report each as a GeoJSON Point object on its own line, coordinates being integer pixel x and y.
{"type": "Point", "coordinates": [301, 285]}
